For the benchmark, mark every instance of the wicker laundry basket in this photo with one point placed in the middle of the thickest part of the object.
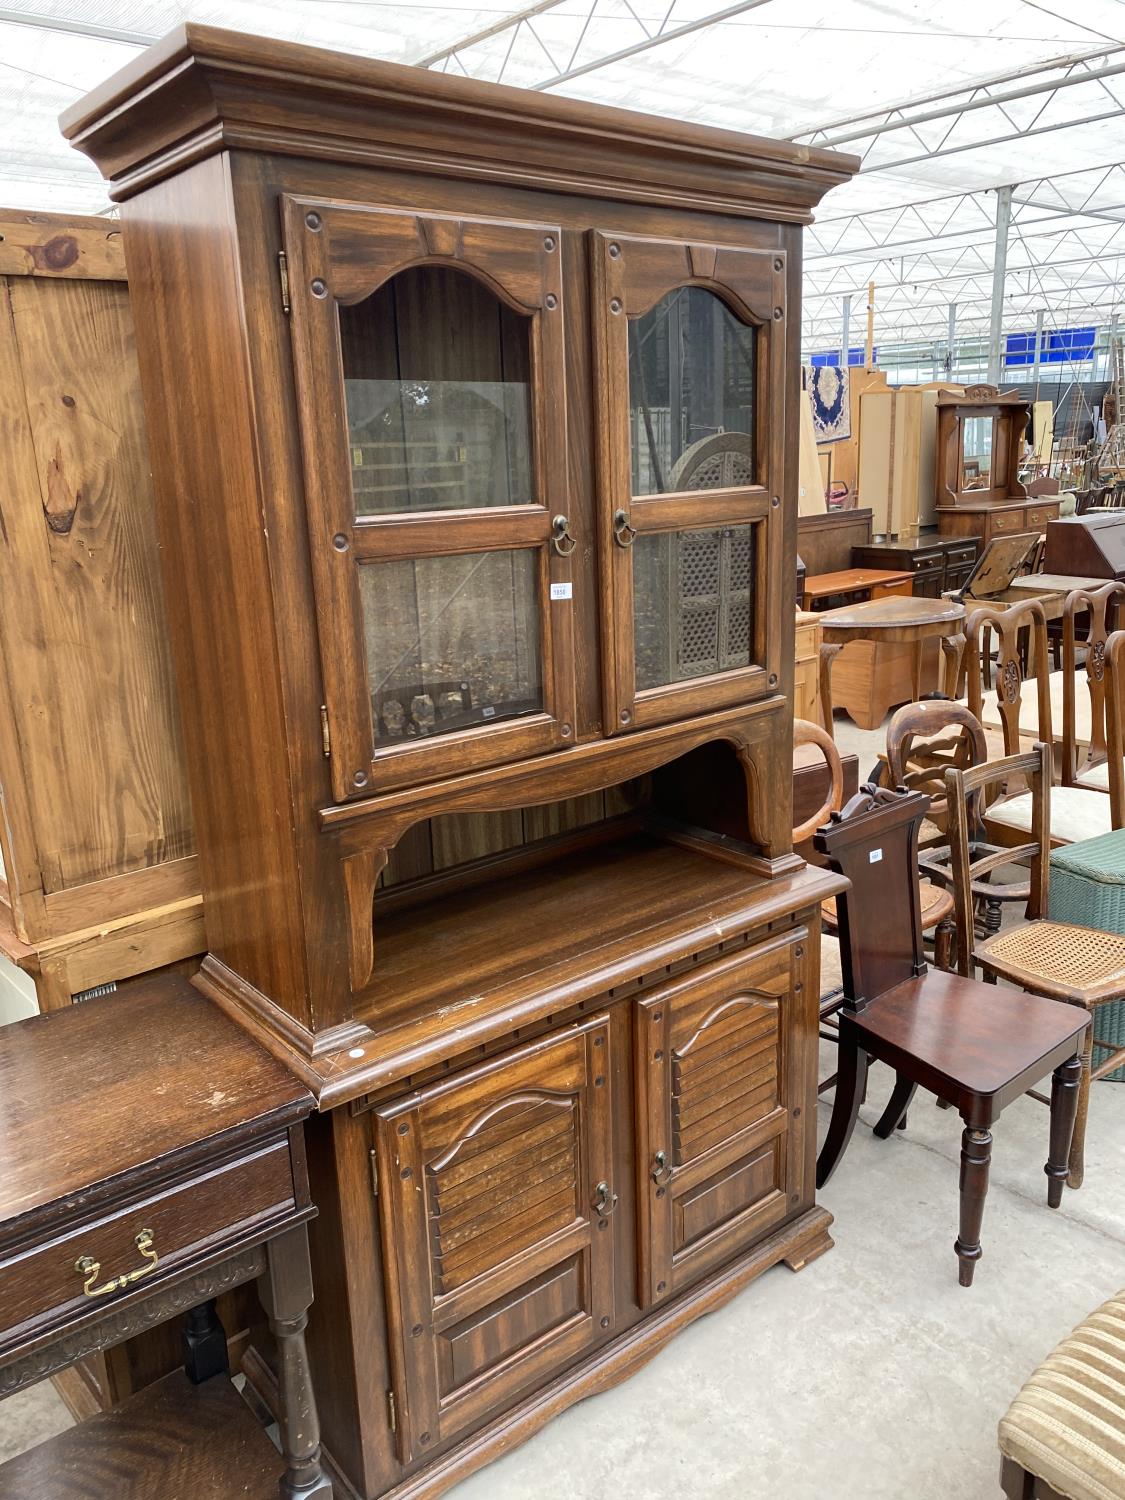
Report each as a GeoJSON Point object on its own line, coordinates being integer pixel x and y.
{"type": "Point", "coordinates": [1088, 888]}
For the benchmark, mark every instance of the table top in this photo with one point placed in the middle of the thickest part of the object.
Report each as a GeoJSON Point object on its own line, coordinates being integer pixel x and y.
{"type": "Point", "coordinates": [1064, 582]}
{"type": "Point", "coordinates": [128, 1084]}
{"type": "Point", "coordinates": [848, 580]}
{"type": "Point", "coordinates": [898, 613]}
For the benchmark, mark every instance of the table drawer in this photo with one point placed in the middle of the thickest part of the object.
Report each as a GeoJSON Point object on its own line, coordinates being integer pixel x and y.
{"type": "Point", "coordinates": [1039, 515]}
{"type": "Point", "coordinates": [186, 1219]}
{"type": "Point", "coordinates": [1007, 521]}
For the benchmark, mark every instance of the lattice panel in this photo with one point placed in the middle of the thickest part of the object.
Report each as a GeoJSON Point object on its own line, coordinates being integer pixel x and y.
{"type": "Point", "coordinates": [504, 1188]}
{"type": "Point", "coordinates": [726, 1078]}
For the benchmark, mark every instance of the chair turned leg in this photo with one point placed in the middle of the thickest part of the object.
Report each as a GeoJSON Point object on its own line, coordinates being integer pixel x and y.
{"type": "Point", "coordinates": [851, 1086]}
{"type": "Point", "coordinates": [897, 1105]}
{"type": "Point", "coordinates": [976, 1153]}
{"type": "Point", "coordinates": [285, 1291]}
{"type": "Point", "coordinates": [944, 934]}
{"type": "Point", "coordinates": [1078, 1139]}
{"type": "Point", "coordinates": [1065, 1085]}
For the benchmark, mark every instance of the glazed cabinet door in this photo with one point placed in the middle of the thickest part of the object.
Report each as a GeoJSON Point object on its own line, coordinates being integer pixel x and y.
{"type": "Point", "coordinates": [428, 353]}
{"type": "Point", "coordinates": [721, 1065]}
{"type": "Point", "coordinates": [496, 1203]}
{"type": "Point", "coordinates": [691, 452]}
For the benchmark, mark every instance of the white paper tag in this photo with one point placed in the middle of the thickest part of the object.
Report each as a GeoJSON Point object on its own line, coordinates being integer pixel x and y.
{"type": "Point", "coordinates": [561, 590]}
{"type": "Point", "coordinates": [875, 856]}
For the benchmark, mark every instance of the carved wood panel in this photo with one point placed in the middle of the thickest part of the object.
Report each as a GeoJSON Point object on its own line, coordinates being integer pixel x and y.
{"type": "Point", "coordinates": [499, 1264]}
{"type": "Point", "coordinates": [715, 1070]}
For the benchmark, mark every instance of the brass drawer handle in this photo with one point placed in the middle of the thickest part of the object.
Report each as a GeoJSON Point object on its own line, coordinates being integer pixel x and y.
{"type": "Point", "coordinates": [604, 1201]}
{"type": "Point", "coordinates": [661, 1169]}
{"type": "Point", "coordinates": [86, 1266]}
{"type": "Point", "coordinates": [623, 533]}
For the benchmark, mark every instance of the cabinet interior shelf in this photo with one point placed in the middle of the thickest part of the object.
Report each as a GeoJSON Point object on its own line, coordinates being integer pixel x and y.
{"type": "Point", "coordinates": [527, 944]}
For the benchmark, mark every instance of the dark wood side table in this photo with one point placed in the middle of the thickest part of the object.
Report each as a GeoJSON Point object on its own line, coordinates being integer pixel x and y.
{"type": "Point", "coordinates": [152, 1157]}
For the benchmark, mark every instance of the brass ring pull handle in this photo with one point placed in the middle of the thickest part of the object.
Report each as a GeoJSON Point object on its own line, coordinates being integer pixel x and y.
{"type": "Point", "coordinates": [561, 539]}
{"type": "Point", "coordinates": [623, 533]}
{"type": "Point", "coordinates": [86, 1266]}
{"type": "Point", "coordinates": [661, 1168]}
{"type": "Point", "coordinates": [604, 1201]}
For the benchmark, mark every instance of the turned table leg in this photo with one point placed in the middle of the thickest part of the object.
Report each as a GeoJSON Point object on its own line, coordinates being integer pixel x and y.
{"type": "Point", "coordinates": [286, 1294]}
{"type": "Point", "coordinates": [976, 1153]}
{"type": "Point", "coordinates": [1078, 1140]}
{"type": "Point", "coordinates": [1064, 1108]}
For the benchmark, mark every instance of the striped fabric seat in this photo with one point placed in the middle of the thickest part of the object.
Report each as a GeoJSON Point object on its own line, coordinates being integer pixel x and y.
{"type": "Point", "coordinates": [1067, 1425]}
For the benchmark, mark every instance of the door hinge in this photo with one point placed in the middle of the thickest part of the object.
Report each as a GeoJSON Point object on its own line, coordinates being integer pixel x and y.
{"type": "Point", "coordinates": [373, 1158]}
{"type": "Point", "coordinates": [325, 735]}
{"type": "Point", "coordinates": [283, 272]}
{"type": "Point", "coordinates": [392, 1414]}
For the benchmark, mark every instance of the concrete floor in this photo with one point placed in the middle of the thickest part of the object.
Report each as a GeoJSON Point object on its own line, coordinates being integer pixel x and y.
{"type": "Point", "coordinates": [870, 1374]}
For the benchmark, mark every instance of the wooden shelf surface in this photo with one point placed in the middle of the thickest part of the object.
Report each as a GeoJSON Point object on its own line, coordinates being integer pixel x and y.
{"type": "Point", "coordinates": [466, 967]}
{"type": "Point", "coordinates": [171, 1441]}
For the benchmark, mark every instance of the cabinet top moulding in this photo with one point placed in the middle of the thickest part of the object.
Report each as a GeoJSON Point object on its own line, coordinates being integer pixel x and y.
{"type": "Point", "coordinates": [203, 89]}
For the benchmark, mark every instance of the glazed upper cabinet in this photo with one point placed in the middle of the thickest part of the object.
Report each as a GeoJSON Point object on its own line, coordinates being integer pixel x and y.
{"type": "Point", "coordinates": [691, 417]}
{"type": "Point", "coordinates": [428, 352]}
{"type": "Point", "coordinates": [497, 1200]}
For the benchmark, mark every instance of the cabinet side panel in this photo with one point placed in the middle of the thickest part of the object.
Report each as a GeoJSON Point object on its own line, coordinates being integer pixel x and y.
{"type": "Point", "coordinates": [183, 267]}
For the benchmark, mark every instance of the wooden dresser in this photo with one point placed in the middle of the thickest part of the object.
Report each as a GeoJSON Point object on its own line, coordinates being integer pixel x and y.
{"type": "Point", "coordinates": [939, 563]}
{"type": "Point", "coordinates": [473, 421]}
{"type": "Point", "coordinates": [980, 438]}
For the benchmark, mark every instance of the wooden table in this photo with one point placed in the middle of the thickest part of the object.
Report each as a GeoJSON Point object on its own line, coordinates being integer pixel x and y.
{"type": "Point", "coordinates": [895, 621]}
{"type": "Point", "coordinates": [875, 582]}
{"type": "Point", "coordinates": [152, 1157]}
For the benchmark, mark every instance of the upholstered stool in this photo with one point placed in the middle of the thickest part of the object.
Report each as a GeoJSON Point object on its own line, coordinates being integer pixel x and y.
{"type": "Point", "coordinates": [1064, 1434]}
{"type": "Point", "coordinates": [1088, 886]}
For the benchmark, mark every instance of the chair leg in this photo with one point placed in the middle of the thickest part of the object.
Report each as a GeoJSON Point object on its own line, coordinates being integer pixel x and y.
{"type": "Point", "coordinates": [897, 1105]}
{"type": "Point", "coordinates": [976, 1153]}
{"type": "Point", "coordinates": [851, 1086]}
{"type": "Point", "coordinates": [1065, 1085]}
{"type": "Point", "coordinates": [1078, 1140]}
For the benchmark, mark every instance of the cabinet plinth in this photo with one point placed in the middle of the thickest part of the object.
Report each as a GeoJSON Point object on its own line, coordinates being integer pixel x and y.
{"type": "Point", "coordinates": [477, 497]}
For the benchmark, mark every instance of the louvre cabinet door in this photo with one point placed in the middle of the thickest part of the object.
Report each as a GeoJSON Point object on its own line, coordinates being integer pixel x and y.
{"type": "Point", "coordinates": [720, 1064]}
{"type": "Point", "coordinates": [496, 1205]}
{"type": "Point", "coordinates": [430, 371]}
{"type": "Point", "coordinates": [692, 456]}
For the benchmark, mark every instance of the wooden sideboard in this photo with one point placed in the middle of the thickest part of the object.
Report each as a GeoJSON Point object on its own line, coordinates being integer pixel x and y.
{"type": "Point", "coordinates": [100, 879]}
{"type": "Point", "coordinates": [979, 443]}
{"type": "Point", "coordinates": [488, 538]}
{"type": "Point", "coordinates": [939, 564]}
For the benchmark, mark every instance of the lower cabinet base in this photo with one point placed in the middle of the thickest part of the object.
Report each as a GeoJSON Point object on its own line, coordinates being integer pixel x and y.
{"type": "Point", "coordinates": [797, 1243]}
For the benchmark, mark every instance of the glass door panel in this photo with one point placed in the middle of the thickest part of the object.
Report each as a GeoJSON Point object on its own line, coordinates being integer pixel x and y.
{"type": "Point", "coordinates": [451, 642]}
{"type": "Point", "coordinates": [437, 380]}
{"type": "Point", "coordinates": [431, 379]}
{"type": "Point", "coordinates": [692, 603]}
{"type": "Point", "coordinates": [691, 380]}
{"type": "Point", "coordinates": [689, 370]}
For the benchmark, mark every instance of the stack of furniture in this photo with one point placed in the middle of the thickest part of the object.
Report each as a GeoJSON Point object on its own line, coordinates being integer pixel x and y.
{"type": "Point", "coordinates": [100, 879]}
{"type": "Point", "coordinates": [979, 443]}
{"type": "Point", "coordinates": [494, 824]}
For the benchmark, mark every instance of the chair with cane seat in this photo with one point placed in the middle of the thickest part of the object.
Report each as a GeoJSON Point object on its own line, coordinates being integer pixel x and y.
{"type": "Point", "coordinates": [1060, 961]}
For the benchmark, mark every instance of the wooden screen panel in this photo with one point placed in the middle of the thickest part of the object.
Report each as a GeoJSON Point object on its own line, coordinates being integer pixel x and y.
{"type": "Point", "coordinates": [499, 1269]}
{"type": "Point", "coordinates": [715, 1071]}
{"type": "Point", "coordinates": [100, 781]}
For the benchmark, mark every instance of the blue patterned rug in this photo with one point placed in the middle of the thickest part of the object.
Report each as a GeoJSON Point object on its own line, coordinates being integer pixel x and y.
{"type": "Point", "coordinates": [831, 409]}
